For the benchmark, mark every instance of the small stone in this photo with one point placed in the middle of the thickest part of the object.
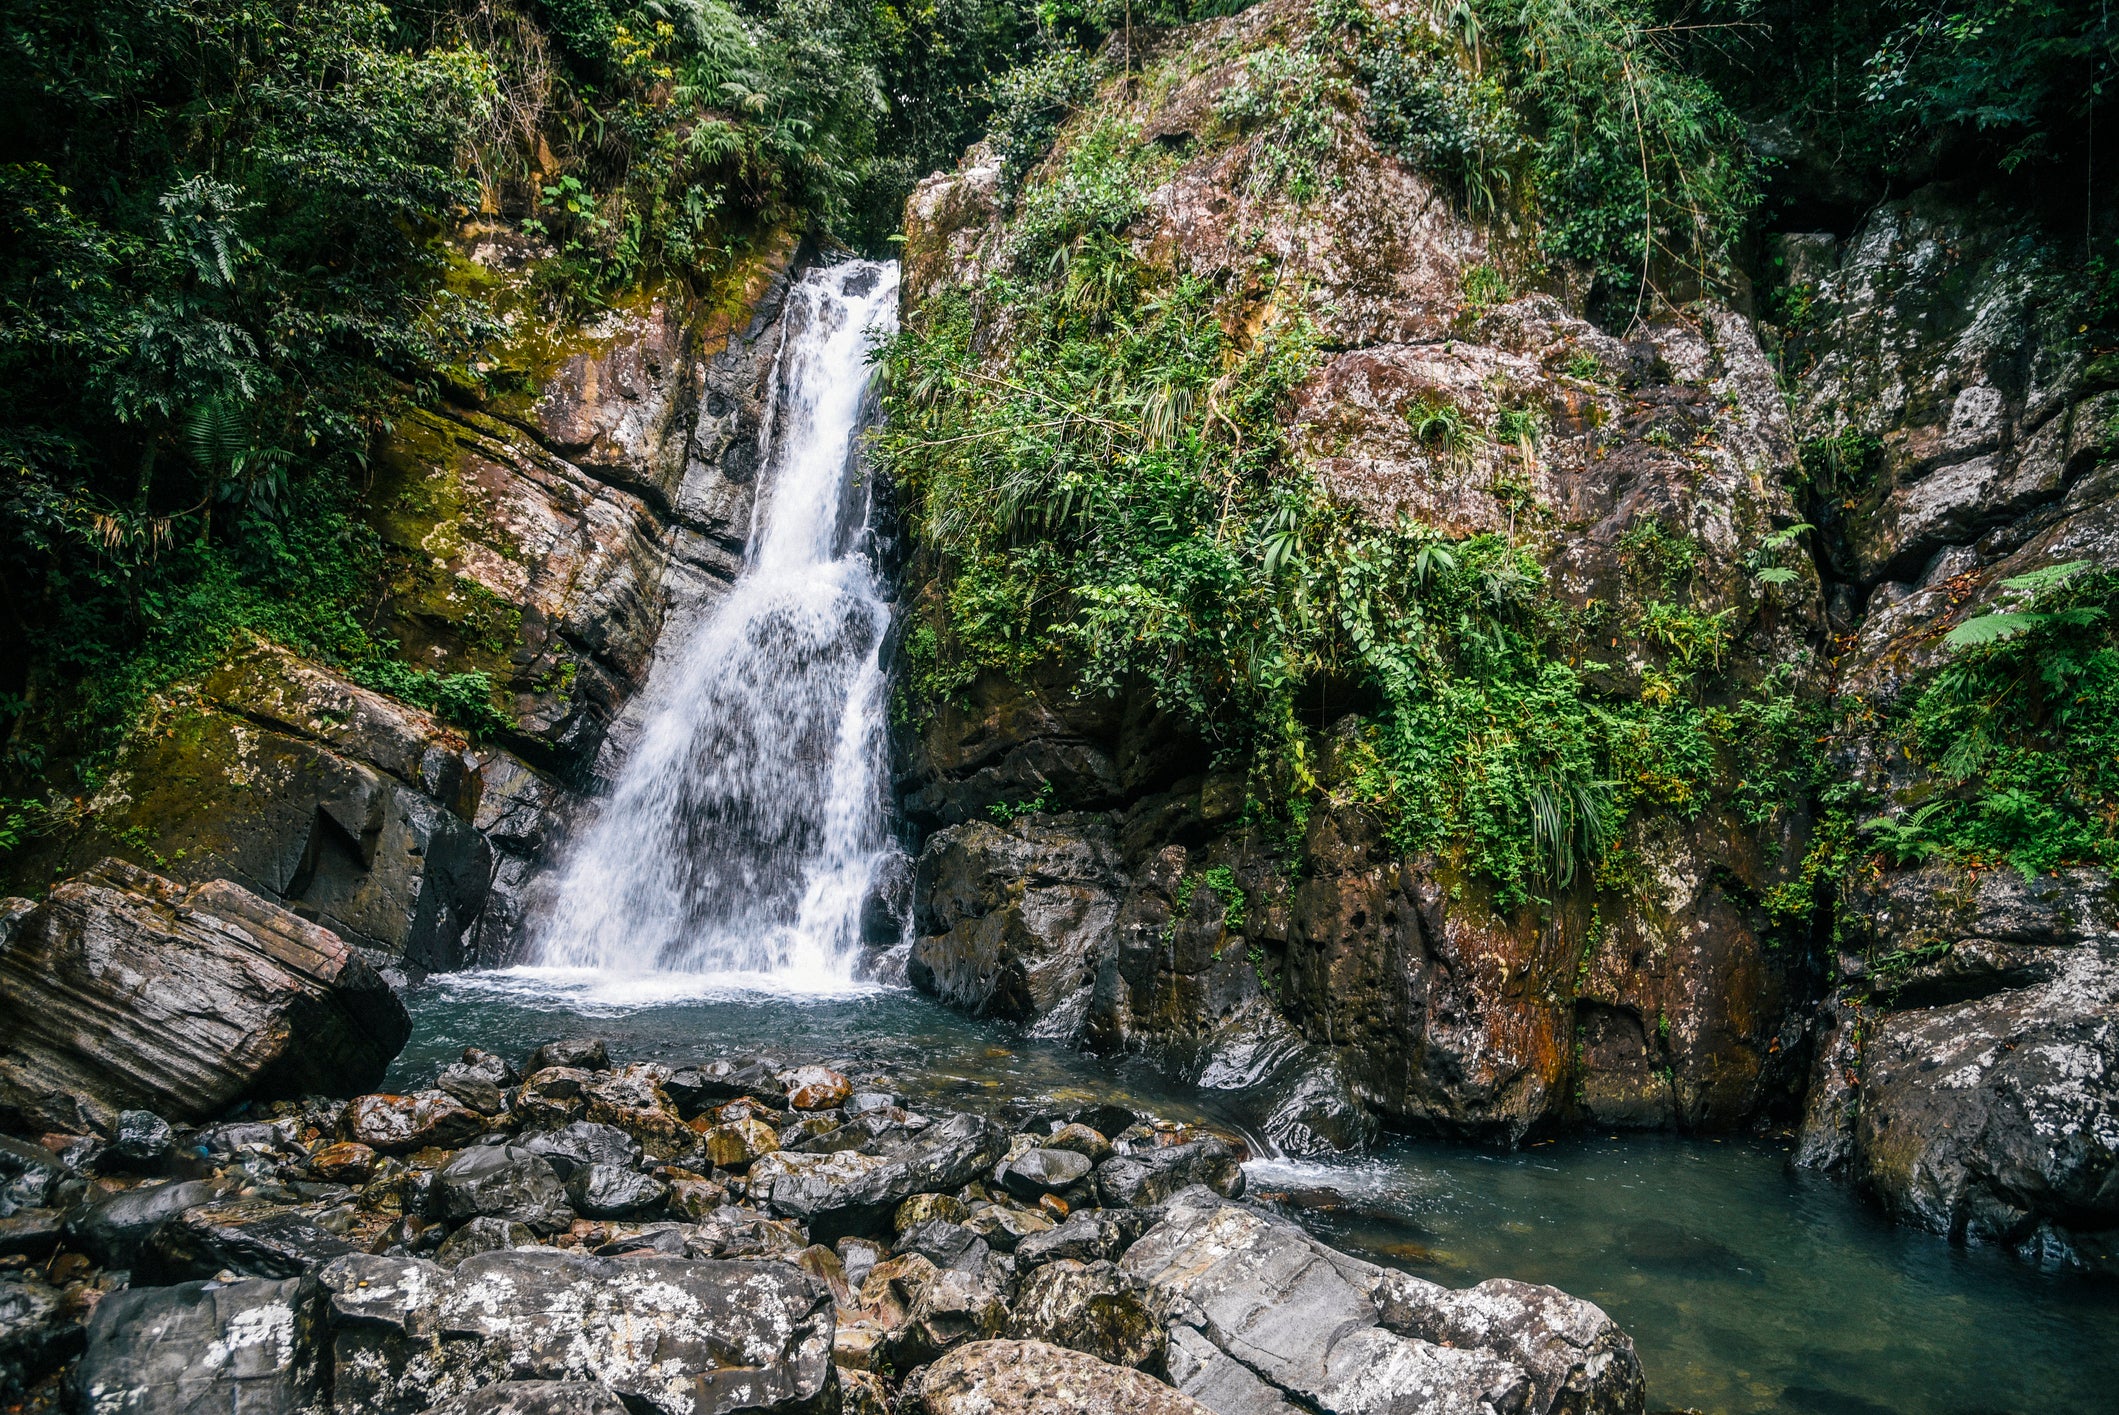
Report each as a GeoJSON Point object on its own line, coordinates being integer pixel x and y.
{"type": "Point", "coordinates": [815, 1087]}
{"type": "Point", "coordinates": [581, 1053]}
{"type": "Point", "coordinates": [1081, 1140]}
{"type": "Point", "coordinates": [694, 1199]}
{"type": "Point", "coordinates": [1054, 1207]}
{"type": "Point", "coordinates": [475, 1089]}
{"type": "Point", "coordinates": [923, 1208]}
{"type": "Point", "coordinates": [347, 1162]}
{"type": "Point", "coordinates": [142, 1141]}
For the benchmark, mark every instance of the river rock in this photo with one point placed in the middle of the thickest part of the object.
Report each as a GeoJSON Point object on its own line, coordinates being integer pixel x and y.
{"type": "Point", "coordinates": [39, 1331]}
{"type": "Point", "coordinates": [584, 1142]}
{"type": "Point", "coordinates": [860, 1194]}
{"type": "Point", "coordinates": [1041, 1171]}
{"type": "Point", "coordinates": [923, 1208]}
{"type": "Point", "coordinates": [500, 1181]}
{"type": "Point", "coordinates": [141, 1141]}
{"type": "Point", "coordinates": [1035, 1378]}
{"type": "Point", "coordinates": [29, 1175]}
{"type": "Point", "coordinates": [484, 1234]}
{"type": "Point", "coordinates": [1145, 1178]}
{"type": "Point", "coordinates": [1004, 1225]}
{"type": "Point", "coordinates": [422, 1120]}
{"type": "Point", "coordinates": [1084, 1237]}
{"type": "Point", "coordinates": [537, 1398]}
{"type": "Point", "coordinates": [815, 1088]}
{"type": "Point", "coordinates": [347, 1162]}
{"type": "Point", "coordinates": [673, 1335]}
{"type": "Point", "coordinates": [114, 1230]}
{"type": "Point", "coordinates": [613, 1191]}
{"type": "Point", "coordinates": [554, 1095]}
{"type": "Point", "coordinates": [1257, 1308]}
{"type": "Point", "coordinates": [1081, 1140]}
{"type": "Point", "coordinates": [132, 992]}
{"type": "Point", "coordinates": [253, 1237]}
{"type": "Point", "coordinates": [575, 1053]}
{"type": "Point", "coordinates": [945, 1244]}
{"type": "Point", "coordinates": [251, 1348]}
{"type": "Point", "coordinates": [1089, 1307]}
{"type": "Point", "coordinates": [31, 1233]}
{"type": "Point", "coordinates": [952, 1308]}
{"type": "Point", "coordinates": [479, 1089]}
{"type": "Point", "coordinates": [736, 1145]}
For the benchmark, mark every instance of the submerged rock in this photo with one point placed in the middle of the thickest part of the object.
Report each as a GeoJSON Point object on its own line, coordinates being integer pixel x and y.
{"type": "Point", "coordinates": [132, 992]}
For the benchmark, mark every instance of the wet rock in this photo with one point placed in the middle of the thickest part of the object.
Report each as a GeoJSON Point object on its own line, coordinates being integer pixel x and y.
{"type": "Point", "coordinates": [1085, 1237]}
{"type": "Point", "coordinates": [924, 1208]}
{"type": "Point", "coordinates": [347, 1162]}
{"type": "Point", "coordinates": [484, 1234]}
{"type": "Point", "coordinates": [248, 1237]}
{"type": "Point", "coordinates": [742, 1233]}
{"type": "Point", "coordinates": [1081, 1140]}
{"type": "Point", "coordinates": [863, 1393]}
{"type": "Point", "coordinates": [1088, 1307]}
{"type": "Point", "coordinates": [858, 1194]}
{"type": "Point", "coordinates": [39, 1331]}
{"type": "Point", "coordinates": [475, 1088]}
{"type": "Point", "coordinates": [583, 1143]}
{"type": "Point", "coordinates": [575, 1053]}
{"type": "Point", "coordinates": [1257, 1308]}
{"type": "Point", "coordinates": [537, 1398]}
{"type": "Point", "coordinates": [945, 1244]}
{"type": "Point", "coordinates": [31, 1233]}
{"type": "Point", "coordinates": [672, 1335]}
{"type": "Point", "coordinates": [1037, 1172]}
{"type": "Point", "coordinates": [815, 1088]}
{"type": "Point", "coordinates": [1004, 1226]}
{"type": "Point", "coordinates": [1146, 1178]}
{"type": "Point", "coordinates": [736, 1145]}
{"type": "Point", "coordinates": [29, 1175]}
{"type": "Point", "coordinates": [613, 1191]}
{"type": "Point", "coordinates": [1035, 1378]}
{"type": "Point", "coordinates": [695, 1198]}
{"type": "Point", "coordinates": [422, 1120]}
{"type": "Point", "coordinates": [253, 1347]}
{"type": "Point", "coordinates": [141, 1140]}
{"type": "Point", "coordinates": [501, 1181]}
{"type": "Point", "coordinates": [114, 1230]}
{"type": "Point", "coordinates": [632, 1099]}
{"type": "Point", "coordinates": [132, 992]}
{"type": "Point", "coordinates": [553, 1096]}
{"type": "Point", "coordinates": [952, 1308]}
{"type": "Point", "coordinates": [858, 1257]}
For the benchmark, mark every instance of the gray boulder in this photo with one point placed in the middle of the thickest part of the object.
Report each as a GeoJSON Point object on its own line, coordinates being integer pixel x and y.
{"type": "Point", "coordinates": [201, 1348]}
{"type": "Point", "coordinates": [114, 1230]}
{"type": "Point", "coordinates": [1146, 1178]}
{"type": "Point", "coordinates": [672, 1335]}
{"type": "Point", "coordinates": [483, 1235]}
{"type": "Point", "coordinates": [1087, 1236]}
{"type": "Point", "coordinates": [253, 1237]}
{"type": "Point", "coordinates": [39, 1331]}
{"type": "Point", "coordinates": [613, 1191]}
{"type": "Point", "coordinates": [1264, 1318]}
{"type": "Point", "coordinates": [1036, 1172]}
{"type": "Point", "coordinates": [584, 1142]}
{"type": "Point", "coordinates": [132, 992]}
{"type": "Point", "coordinates": [584, 1053]}
{"type": "Point", "coordinates": [500, 1181]}
{"type": "Point", "coordinates": [1034, 1378]}
{"type": "Point", "coordinates": [537, 1398]}
{"type": "Point", "coordinates": [1089, 1307]}
{"type": "Point", "coordinates": [953, 1308]}
{"type": "Point", "coordinates": [859, 1194]}
{"type": "Point", "coordinates": [142, 1140]}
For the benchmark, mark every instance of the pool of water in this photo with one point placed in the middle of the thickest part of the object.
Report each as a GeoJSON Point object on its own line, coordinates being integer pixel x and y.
{"type": "Point", "coordinates": [1745, 1287]}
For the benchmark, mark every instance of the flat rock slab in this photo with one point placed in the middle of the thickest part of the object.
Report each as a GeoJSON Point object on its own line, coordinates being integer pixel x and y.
{"type": "Point", "coordinates": [202, 1348]}
{"type": "Point", "coordinates": [1033, 1378]}
{"type": "Point", "coordinates": [682, 1336]}
{"type": "Point", "coordinates": [128, 991]}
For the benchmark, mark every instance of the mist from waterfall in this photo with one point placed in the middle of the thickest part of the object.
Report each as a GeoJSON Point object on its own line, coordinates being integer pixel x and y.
{"type": "Point", "coordinates": [744, 828]}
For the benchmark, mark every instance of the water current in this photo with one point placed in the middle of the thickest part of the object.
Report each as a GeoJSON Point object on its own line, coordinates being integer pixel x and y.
{"type": "Point", "coordinates": [712, 909]}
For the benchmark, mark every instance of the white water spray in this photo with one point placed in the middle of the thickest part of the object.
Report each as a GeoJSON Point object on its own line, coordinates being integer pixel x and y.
{"type": "Point", "coordinates": [744, 830]}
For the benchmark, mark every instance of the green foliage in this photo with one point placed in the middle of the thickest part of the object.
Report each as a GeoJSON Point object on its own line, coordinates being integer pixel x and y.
{"type": "Point", "coordinates": [1432, 107]}
{"type": "Point", "coordinates": [1285, 105]}
{"type": "Point", "coordinates": [1029, 105]}
{"type": "Point", "coordinates": [1006, 812]}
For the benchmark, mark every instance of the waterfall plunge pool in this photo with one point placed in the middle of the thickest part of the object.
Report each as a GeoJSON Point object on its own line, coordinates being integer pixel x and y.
{"type": "Point", "coordinates": [1747, 1289]}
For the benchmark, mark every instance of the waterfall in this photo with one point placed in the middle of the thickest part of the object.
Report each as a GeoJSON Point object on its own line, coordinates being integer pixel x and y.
{"type": "Point", "coordinates": [743, 831]}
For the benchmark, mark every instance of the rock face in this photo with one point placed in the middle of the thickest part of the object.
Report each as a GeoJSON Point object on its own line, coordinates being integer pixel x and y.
{"type": "Point", "coordinates": [130, 991]}
{"type": "Point", "coordinates": [1329, 978]}
{"type": "Point", "coordinates": [536, 529]}
{"type": "Point", "coordinates": [254, 1348]}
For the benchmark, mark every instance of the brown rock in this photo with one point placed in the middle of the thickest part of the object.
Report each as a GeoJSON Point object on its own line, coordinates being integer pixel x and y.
{"type": "Point", "coordinates": [128, 991]}
{"type": "Point", "coordinates": [816, 1088]}
{"type": "Point", "coordinates": [399, 1124]}
{"type": "Point", "coordinates": [1033, 1378]}
{"type": "Point", "coordinates": [347, 1162]}
{"type": "Point", "coordinates": [735, 1145]}
{"type": "Point", "coordinates": [553, 1096]}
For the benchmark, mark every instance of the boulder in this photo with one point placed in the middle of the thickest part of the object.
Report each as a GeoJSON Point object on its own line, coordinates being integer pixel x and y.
{"type": "Point", "coordinates": [1037, 1172]}
{"type": "Point", "coordinates": [347, 1162]}
{"type": "Point", "coordinates": [1258, 1310]}
{"type": "Point", "coordinates": [671, 1335]}
{"type": "Point", "coordinates": [923, 1208]}
{"type": "Point", "coordinates": [422, 1120]}
{"type": "Point", "coordinates": [632, 1099]}
{"type": "Point", "coordinates": [132, 992]}
{"type": "Point", "coordinates": [553, 1096]}
{"type": "Point", "coordinates": [953, 1307]}
{"type": "Point", "coordinates": [115, 1230]}
{"type": "Point", "coordinates": [40, 1330]}
{"type": "Point", "coordinates": [582, 1143]}
{"type": "Point", "coordinates": [862, 1194]}
{"type": "Point", "coordinates": [815, 1088]}
{"type": "Point", "coordinates": [479, 1089]}
{"type": "Point", "coordinates": [735, 1145]}
{"type": "Point", "coordinates": [483, 1234]}
{"type": "Point", "coordinates": [29, 1175]}
{"type": "Point", "coordinates": [1081, 1140]}
{"type": "Point", "coordinates": [1034, 1378]}
{"type": "Point", "coordinates": [253, 1237]}
{"type": "Point", "coordinates": [1084, 1237]}
{"type": "Point", "coordinates": [1089, 1307]}
{"type": "Point", "coordinates": [537, 1398]}
{"type": "Point", "coordinates": [500, 1181]}
{"type": "Point", "coordinates": [1147, 1177]}
{"type": "Point", "coordinates": [613, 1191]}
{"type": "Point", "coordinates": [577, 1053]}
{"type": "Point", "coordinates": [250, 1348]}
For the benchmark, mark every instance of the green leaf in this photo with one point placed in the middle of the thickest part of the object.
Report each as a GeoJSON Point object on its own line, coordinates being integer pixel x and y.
{"type": "Point", "coordinates": [2046, 577]}
{"type": "Point", "coordinates": [1992, 629]}
{"type": "Point", "coordinates": [1776, 575]}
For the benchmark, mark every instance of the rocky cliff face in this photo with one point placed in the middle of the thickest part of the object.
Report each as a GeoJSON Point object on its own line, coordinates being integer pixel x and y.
{"type": "Point", "coordinates": [537, 524]}
{"type": "Point", "coordinates": [1663, 999]}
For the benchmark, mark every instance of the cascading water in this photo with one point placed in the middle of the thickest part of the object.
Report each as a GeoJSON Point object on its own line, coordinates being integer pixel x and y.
{"type": "Point", "coordinates": [744, 829]}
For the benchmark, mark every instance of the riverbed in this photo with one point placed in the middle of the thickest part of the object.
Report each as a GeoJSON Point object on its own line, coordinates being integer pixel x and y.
{"type": "Point", "coordinates": [1746, 1287]}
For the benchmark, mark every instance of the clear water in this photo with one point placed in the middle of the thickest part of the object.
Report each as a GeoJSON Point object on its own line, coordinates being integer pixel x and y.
{"type": "Point", "coordinates": [1746, 1289]}
{"type": "Point", "coordinates": [749, 819]}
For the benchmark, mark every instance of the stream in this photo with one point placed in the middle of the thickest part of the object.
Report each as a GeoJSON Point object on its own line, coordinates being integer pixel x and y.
{"type": "Point", "coordinates": [713, 907]}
